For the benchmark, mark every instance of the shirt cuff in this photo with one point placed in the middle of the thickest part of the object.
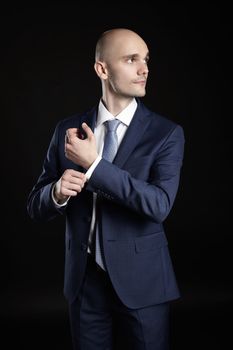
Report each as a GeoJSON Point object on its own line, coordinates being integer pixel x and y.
{"type": "Point", "coordinates": [92, 167]}
{"type": "Point", "coordinates": [54, 200]}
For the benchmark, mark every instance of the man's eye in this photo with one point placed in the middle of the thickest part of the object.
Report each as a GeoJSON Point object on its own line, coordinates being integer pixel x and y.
{"type": "Point", "coordinates": [130, 60]}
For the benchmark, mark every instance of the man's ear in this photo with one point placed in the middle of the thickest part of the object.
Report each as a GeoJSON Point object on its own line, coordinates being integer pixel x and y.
{"type": "Point", "coordinates": [101, 70]}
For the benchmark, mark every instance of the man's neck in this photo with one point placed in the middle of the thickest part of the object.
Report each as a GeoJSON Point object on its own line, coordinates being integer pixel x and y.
{"type": "Point", "coordinates": [116, 106]}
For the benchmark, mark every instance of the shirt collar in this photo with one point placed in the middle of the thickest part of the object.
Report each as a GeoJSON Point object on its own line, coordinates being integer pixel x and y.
{"type": "Point", "coordinates": [125, 116]}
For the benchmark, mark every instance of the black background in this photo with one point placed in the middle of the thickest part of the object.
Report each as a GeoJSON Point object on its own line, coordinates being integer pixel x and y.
{"type": "Point", "coordinates": [47, 57]}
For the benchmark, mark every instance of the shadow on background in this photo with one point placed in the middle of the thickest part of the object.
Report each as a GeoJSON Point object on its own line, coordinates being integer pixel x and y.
{"type": "Point", "coordinates": [47, 75]}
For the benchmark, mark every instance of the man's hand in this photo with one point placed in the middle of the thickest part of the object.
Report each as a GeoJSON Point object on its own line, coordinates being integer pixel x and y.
{"type": "Point", "coordinates": [79, 151]}
{"type": "Point", "coordinates": [70, 184]}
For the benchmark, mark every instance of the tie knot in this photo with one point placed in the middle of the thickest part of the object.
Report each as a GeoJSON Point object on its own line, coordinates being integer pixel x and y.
{"type": "Point", "coordinates": [112, 124]}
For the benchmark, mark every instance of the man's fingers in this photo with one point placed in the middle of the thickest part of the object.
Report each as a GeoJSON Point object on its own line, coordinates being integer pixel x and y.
{"type": "Point", "coordinates": [87, 130]}
{"type": "Point", "coordinates": [70, 133]}
{"type": "Point", "coordinates": [74, 173]}
{"type": "Point", "coordinates": [75, 132]}
{"type": "Point", "coordinates": [71, 182]}
{"type": "Point", "coordinates": [69, 188]}
{"type": "Point", "coordinates": [73, 177]}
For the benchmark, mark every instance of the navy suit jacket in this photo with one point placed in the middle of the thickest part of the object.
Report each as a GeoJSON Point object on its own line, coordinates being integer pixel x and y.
{"type": "Point", "coordinates": [135, 194]}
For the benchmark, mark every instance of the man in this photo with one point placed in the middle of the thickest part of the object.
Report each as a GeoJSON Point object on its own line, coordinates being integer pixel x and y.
{"type": "Point", "coordinates": [119, 278]}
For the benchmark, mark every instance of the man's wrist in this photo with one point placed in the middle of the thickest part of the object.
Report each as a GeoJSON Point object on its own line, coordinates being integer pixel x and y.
{"type": "Point", "coordinates": [58, 201]}
{"type": "Point", "coordinates": [92, 167]}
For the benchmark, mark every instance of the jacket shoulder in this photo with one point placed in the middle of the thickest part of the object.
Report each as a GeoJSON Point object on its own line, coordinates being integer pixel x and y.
{"type": "Point", "coordinates": [164, 123]}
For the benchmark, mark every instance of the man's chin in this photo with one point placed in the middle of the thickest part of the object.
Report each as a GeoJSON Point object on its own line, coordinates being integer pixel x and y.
{"type": "Point", "coordinates": [136, 93]}
{"type": "Point", "coordinates": [141, 94]}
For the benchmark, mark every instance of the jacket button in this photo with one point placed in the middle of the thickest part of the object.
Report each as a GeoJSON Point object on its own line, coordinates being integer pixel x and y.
{"type": "Point", "coordinates": [83, 247]}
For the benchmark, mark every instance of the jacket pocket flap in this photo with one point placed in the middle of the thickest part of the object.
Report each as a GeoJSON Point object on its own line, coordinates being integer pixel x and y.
{"type": "Point", "coordinates": [150, 242]}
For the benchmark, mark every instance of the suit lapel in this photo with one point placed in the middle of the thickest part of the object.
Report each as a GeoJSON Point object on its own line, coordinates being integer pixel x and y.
{"type": "Point", "coordinates": [137, 128]}
{"type": "Point", "coordinates": [90, 118]}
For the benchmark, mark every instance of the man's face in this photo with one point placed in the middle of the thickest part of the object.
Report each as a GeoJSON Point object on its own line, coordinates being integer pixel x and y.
{"type": "Point", "coordinates": [127, 67]}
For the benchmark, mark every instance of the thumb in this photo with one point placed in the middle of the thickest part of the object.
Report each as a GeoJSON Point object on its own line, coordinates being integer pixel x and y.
{"type": "Point", "coordinates": [87, 130]}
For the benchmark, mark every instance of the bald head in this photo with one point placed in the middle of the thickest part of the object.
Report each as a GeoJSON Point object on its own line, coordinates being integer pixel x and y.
{"type": "Point", "coordinates": [122, 65]}
{"type": "Point", "coordinates": [112, 40]}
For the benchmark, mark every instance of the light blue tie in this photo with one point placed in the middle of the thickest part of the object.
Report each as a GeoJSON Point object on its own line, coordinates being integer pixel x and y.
{"type": "Point", "coordinates": [109, 152]}
{"type": "Point", "coordinates": [111, 141]}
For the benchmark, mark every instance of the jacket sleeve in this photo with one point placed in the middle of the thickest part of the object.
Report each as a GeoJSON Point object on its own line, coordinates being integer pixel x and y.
{"type": "Point", "coordinates": [40, 205]}
{"type": "Point", "coordinates": [152, 198]}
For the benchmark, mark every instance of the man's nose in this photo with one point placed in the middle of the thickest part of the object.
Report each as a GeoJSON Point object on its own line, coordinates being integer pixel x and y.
{"type": "Point", "coordinates": [143, 68]}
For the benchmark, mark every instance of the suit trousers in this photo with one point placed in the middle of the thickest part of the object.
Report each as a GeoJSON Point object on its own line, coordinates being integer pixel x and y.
{"type": "Point", "coordinates": [100, 321]}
